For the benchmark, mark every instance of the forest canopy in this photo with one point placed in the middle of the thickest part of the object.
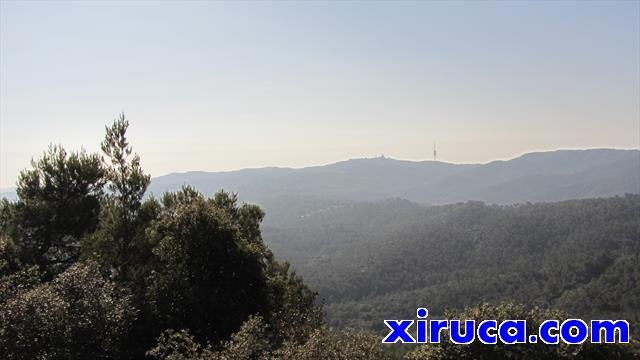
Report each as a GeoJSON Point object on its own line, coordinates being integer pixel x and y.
{"type": "Point", "coordinates": [371, 261]}
{"type": "Point", "coordinates": [92, 268]}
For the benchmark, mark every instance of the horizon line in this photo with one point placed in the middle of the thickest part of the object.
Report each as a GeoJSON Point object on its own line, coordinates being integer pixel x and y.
{"type": "Point", "coordinates": [400, 159]}
{"type": "Point", "coordinates": [383, 156]}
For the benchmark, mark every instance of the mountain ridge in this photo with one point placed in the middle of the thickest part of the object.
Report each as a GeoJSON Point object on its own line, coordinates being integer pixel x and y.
{"type": "Point", "coordinates": [379, 178]}
{"type": "Point", "coordinates": [531, 177]}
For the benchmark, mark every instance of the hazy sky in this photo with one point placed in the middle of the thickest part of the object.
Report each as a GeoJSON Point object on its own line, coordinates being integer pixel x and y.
{"type": "Point", "coordinates": [219, 86]}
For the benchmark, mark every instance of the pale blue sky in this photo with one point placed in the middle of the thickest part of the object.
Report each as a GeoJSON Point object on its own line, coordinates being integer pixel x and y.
{"type": "Point", "coordinates": [219, 86]}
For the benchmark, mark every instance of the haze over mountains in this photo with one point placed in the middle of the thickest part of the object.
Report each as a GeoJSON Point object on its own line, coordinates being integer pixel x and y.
{"type": "Point", "coordinates": [288, 193]}
{"type": "Point", "coordinates": [533, 177]}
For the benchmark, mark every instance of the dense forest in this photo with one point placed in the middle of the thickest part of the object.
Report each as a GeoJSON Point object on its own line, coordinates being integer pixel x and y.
{"type": "Point", "coordinates": [370, 261]}
{"type": "Point", "coordinates": [91, 268]}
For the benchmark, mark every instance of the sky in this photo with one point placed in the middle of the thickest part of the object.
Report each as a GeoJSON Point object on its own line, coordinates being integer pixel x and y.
{"type": "Point", "coordinates": [219, 86]}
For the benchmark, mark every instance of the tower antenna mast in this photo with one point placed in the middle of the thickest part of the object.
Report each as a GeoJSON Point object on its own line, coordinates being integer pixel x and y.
{"type": "Point", "coordinates": [435, 153]}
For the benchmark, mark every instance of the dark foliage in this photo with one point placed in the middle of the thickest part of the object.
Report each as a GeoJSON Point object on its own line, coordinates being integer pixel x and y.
{"type": "Point", "coordinates": [78, 315]}
{"type": "Point", "coordinates": [580, 256]}
{"type": "Point", "coordinates": [59, 203]}
{"type": "Point", "coordinates": [90, 269]}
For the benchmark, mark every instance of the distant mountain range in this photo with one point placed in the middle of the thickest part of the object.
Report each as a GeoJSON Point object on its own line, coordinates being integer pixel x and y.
{"type": "Point", "coordinates": [533, 177]}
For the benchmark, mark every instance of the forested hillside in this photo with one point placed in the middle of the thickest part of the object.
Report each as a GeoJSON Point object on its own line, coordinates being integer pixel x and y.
{"type": "Point", "coordinates": [370, 261]}
{"type": "Point", "coordinates": [91, 267]}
